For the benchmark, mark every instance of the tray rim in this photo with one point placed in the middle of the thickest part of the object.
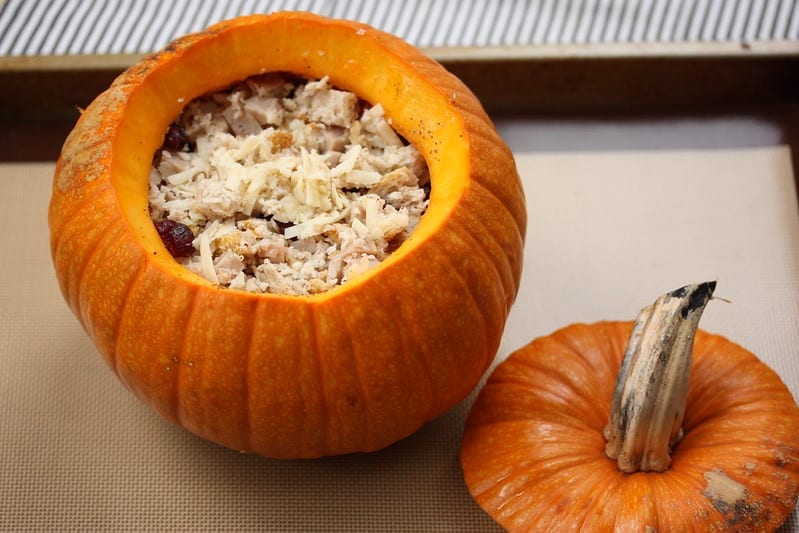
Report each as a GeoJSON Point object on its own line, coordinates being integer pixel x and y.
{"type": "Point", "coordinates": [41, 96]}
{"type": "Point", "coordinates": [532, 52]}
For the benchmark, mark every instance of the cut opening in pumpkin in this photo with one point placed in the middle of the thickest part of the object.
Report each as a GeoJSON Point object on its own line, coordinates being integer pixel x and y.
{"type": "Point", "coordinates": [285, 185]}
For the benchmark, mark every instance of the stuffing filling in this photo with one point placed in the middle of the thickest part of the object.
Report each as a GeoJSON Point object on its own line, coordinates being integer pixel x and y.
{"type": "Point", "coordinates": [285, 185]}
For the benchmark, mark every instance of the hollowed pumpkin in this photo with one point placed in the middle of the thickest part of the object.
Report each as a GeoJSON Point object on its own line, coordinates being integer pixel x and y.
{"type": "Point", "coordinates": [352, 369]}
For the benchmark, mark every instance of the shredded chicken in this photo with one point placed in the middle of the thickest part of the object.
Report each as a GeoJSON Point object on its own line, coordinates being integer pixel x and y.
{"type": "Point", "coordinates": [289, 186]}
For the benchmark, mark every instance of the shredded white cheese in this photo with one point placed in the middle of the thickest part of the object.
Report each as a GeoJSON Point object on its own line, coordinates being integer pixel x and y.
{"type": "Point", "coordinates": [206, 260]}
{"type": "Point", "coordinates": [289, 186]}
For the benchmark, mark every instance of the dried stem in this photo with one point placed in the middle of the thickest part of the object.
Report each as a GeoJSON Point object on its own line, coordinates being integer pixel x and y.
{"type": "Point", "coordinates": [652, 386]}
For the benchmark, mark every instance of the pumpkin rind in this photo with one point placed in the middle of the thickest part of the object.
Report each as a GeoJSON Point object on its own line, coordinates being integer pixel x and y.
{"type": "Point", "coordinates": [352, 369]}
{"type": "Point", "coordinates": [533, 453]}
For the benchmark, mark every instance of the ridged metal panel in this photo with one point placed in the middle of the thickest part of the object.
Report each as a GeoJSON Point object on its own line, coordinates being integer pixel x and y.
{"type": "Point", "coordinates": [78, 27]}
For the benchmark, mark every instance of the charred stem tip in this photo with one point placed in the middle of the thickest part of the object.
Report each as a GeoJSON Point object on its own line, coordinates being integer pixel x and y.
{"type": "Point", "coordinates": [697, 294]}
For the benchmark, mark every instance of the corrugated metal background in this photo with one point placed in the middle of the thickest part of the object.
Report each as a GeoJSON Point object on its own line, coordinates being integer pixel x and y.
{"type": "Point", "coordinates": [79, 27]}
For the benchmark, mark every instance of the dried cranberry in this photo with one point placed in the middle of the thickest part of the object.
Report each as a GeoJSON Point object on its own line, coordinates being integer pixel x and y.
{"type": "Point", "coordinates": [177, 237]}
{"type": "Point", "coordinates": [176, 138]}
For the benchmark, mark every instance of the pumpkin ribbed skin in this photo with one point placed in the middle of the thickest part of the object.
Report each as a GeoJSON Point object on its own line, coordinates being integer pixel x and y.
{"type": "Point", "coordinates": [352, 369]}
{"type": "Point", "coordinates": [533, 453]}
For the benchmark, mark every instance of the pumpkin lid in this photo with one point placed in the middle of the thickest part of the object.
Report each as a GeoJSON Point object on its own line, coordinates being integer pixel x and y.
{"type": "Point", "coordinates": [573, 431]}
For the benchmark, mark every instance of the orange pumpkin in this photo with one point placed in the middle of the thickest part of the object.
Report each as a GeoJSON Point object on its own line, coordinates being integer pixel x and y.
{"type": "Point", "coordinates": [534, 449]}
{"type": "Point", "coordinates": [352, 369]}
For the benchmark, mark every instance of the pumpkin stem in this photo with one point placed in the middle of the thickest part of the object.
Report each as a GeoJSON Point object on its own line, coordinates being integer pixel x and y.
{"type": "Point", "coordinates": [652, 386]}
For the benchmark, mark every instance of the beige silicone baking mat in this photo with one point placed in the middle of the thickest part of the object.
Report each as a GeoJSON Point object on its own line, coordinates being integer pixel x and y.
{"type": "Point", "coordinates": [608, 231]}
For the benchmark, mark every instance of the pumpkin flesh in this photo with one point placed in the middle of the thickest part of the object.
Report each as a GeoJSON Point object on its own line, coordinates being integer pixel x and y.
{"type": "Point", "coordinates": [352, 369]}
{"type": "Point", "coordinates": [534, 458]}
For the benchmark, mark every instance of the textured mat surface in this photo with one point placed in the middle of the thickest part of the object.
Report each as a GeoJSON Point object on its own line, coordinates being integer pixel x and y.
{"type": "Point", "coordinates": [80, 453]}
